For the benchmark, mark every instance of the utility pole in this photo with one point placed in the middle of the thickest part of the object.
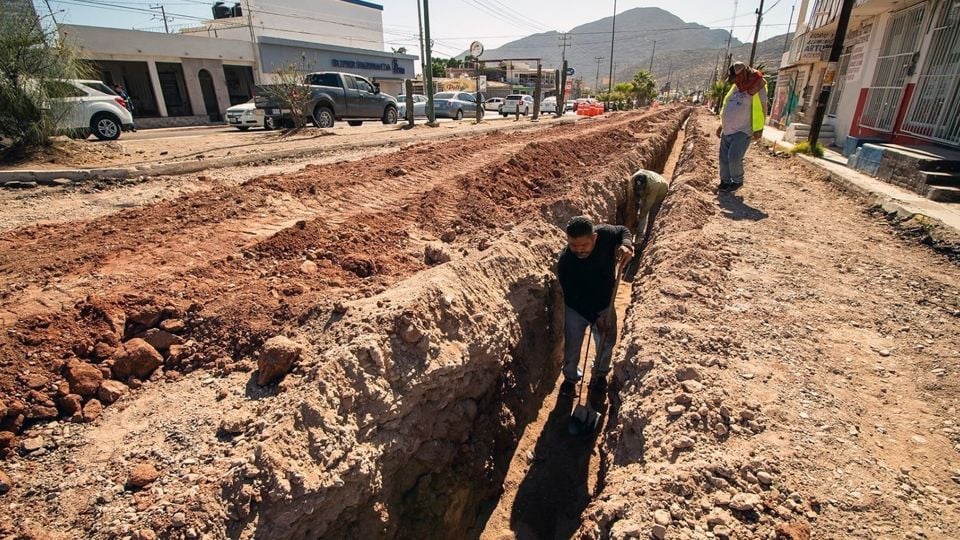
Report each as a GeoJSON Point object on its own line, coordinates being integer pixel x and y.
{"type": "Point", "coordinates": [163, 14]}
{"type": "Point", "coordinates": [756, 34]}
{"type": "Point", "coordinates": [423, 66]}
{"type": "Point", "coordinates": [538, 92]}
{"type": "Point", "coordinates": [256, 47]}
{"type": "Point", "coordinates": [733, 22]}
{"type": "Point", "coordinates": [428, 74]}
{"type": "Point", "coordinates": [562, 88]}
{"type": "Point", "coordinates": [786, 37]}
{"type": "Point", "coordinates": [652, 55]}
{"type": "Point", "coordinates": [52, 16]}
{"type": "Point", "coordinates": [596, 85]}
{"type": "Point", "coordinates": [613, 37]}
{"type": "Point", "coordinates": [828, 77]}
{"type": "Point", "coordinates": [564, 43]}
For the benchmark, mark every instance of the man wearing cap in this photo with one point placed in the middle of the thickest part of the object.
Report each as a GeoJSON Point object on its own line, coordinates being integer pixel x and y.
{"type": "Point", "coordinates": [587, 270]}
{"type": "Point", "coordinates": [741, 120]}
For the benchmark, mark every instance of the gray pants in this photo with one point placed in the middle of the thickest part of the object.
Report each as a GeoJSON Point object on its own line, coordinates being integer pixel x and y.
{"type": "Point", "coordinates": [574, 326]}
{"type": "Point", "coordinates": [732, 149]}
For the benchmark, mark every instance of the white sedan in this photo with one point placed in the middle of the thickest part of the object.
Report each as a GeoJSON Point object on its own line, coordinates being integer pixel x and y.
{"type": "Point", "coordinates": [549, 105]}
{"type": "Point", "coordinates": [493, 104]}
{"type": "Point", "coordinates": [246, 115]}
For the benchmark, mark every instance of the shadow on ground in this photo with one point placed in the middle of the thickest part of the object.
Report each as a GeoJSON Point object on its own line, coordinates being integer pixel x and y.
{"type": "Point", "coordinates": [733, 207]}
{"type": "Point", "coordinates": [555, 490]}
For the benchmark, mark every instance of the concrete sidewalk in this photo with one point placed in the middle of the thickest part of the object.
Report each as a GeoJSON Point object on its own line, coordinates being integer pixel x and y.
{"type": "Point", "coordinates": [892, 198]}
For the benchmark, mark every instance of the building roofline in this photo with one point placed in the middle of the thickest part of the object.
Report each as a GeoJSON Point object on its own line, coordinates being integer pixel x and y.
{"type": "Point", "coordinates": [364, 4]}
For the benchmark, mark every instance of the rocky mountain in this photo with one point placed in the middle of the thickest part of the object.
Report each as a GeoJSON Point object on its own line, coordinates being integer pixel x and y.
{"type": "Point", "coordinates": [682, 47]}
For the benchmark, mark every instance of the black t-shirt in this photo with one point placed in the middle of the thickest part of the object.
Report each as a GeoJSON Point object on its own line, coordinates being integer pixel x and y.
{"type": "Point", "coordinates": [588, 283]}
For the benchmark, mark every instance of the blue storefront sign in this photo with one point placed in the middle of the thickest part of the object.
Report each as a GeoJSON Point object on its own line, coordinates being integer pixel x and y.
{"type": "Point", "coordinates": [393, 67]}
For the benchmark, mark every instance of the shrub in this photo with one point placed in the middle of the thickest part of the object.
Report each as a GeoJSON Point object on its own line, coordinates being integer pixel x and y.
{"type": "Point", "coordinates": [804, 147]}
{"type": "Point", "coordinates": [31, 58]}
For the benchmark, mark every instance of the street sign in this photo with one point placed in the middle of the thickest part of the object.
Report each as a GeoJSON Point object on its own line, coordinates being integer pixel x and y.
{"type": "Point", "coordinates": [476, 49]}
{"type": "Point", "coordinates": [570, 72]}
{"type": "Point", "coordinates": [482, 84]}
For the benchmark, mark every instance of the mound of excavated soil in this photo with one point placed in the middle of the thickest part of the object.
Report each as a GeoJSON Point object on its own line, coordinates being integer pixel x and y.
{"type": "Point", "coordinates": [417, 288]}
{"type": "Point", "coordinates": [785, 369]}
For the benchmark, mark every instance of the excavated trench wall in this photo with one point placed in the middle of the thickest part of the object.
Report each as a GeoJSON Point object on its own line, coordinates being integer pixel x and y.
{"type": "Point", "coordinates": [417, 396]}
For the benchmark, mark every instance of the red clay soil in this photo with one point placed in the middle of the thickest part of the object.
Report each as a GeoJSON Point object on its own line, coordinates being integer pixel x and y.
{"type": "Point", "coordinates": [239, 265]}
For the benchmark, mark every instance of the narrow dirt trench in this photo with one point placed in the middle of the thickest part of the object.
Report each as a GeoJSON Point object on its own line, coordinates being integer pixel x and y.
{"type": "Point", "coordinates": [553, 475]}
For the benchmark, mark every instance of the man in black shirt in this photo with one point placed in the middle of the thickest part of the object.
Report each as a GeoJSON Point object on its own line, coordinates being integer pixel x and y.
{"type": "Point", "coordinates": [587, 270]}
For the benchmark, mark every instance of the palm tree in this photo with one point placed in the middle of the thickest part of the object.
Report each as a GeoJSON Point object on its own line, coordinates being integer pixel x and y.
{"type": "Point", "coordinates": [644, 86]}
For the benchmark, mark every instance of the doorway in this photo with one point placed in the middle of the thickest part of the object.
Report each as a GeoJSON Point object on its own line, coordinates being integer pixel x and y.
{"type": "Point", "coordinates": [210, 102]}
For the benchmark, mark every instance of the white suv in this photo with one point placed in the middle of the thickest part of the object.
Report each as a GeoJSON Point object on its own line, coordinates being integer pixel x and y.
{"type": "Point", "coordinates": [515, 102]}
{"type": "Point", "coordinates": [87, 107]}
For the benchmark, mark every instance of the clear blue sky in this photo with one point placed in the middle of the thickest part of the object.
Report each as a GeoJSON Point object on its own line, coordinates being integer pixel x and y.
{"type": "Point", "coordinates": [454, 23]}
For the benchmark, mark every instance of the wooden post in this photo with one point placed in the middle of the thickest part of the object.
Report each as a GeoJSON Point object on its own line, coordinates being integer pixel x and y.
{"type": "Point", "coordinates": [408, 91]}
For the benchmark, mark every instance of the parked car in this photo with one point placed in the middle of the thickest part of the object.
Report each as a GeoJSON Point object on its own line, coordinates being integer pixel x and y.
{"type": "Point", "coordinates": [87, 106]}
{"type": "Point", "coordinates": [333, 96]}
{"type": "Point", "coordinates": [246, 115]}
{"type": "Point", "coordinates": [493, 104]}
{"type": "Point", "coordinates": [549, 105]}
{"type": "Point", "coordinates": [419, 105]}
{"type": "Point", "coordinates": [455, 105]}
{"type": "Point", "coordinates": [570, 105]}
{"type": "Point", "coordinates": [515, 102]}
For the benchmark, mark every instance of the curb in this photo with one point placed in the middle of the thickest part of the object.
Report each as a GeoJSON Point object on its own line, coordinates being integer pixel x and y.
{"type": "Point", "coordinates": [21, 179]}
{"type": "Point", "coordinates": [889, 205]}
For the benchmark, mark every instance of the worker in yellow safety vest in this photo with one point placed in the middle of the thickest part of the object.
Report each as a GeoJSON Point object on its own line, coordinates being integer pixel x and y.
{"type": "Point", "coordinates": [741, 120]}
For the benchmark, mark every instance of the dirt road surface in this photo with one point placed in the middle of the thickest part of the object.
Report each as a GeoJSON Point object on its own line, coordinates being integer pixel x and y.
{"type": "Point", "coordinates": [148, 147]}
{"type": "Point", "coordinates": [788, 366]}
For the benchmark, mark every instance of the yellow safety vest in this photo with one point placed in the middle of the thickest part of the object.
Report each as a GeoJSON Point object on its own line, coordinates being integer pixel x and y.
{"type": "Point", "coordinates": [757, 114]}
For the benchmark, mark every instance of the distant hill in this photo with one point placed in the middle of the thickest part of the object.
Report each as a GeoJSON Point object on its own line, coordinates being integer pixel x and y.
{"type": "Point", "coordinates": [694, 68]}
{"type": "Point", "coordinates": [691, 48]}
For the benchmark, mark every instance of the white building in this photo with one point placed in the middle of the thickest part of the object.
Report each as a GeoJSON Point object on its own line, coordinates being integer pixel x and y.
{"type": "Point", "coordinates": [192, 77]}
{"type": "Point", "coordinates": [348, 23]}
{"type": "Point", "coordinates": [897, 80]}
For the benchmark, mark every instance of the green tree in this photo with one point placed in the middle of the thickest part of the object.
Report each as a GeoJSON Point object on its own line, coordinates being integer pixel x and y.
{"type": "Point", "coordinates": [438, 67]}
{"type": "Point", "coordinates": [399, 50]}
{"type": "Point", "coordinates": [644, 87]}
{"type": "Point", "coordinates": [717, 92]}
{"type": "Point", "coordinates": [31, 59]}
{"type": "Point", "coordinates": [622, 92]}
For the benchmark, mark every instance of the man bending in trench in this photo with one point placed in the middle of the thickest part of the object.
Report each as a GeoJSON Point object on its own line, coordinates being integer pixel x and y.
{"type": "Point", "coordinates": [650, 189]}
{"type": "Point", "coordinates": [588, 271]}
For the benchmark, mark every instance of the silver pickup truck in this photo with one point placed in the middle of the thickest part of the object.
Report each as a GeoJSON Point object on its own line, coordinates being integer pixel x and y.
{"type": "Point", "coordinates": [333, 96]}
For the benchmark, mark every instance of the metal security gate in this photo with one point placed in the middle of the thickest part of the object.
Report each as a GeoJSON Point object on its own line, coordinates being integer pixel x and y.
{"type": "Point", "coordinates": [935, 107]}
{"type": "Point", "coordinates": [838, 83]}
{"type": "Point", "coordinates": [894, 66]}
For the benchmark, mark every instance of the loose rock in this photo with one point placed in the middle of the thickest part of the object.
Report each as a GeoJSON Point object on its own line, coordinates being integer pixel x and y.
{"type": "Point", "coordinates": [92, 410]}
{"type": "Point", "coordinates": [111, 391]}
{"type": "Point", "coordinates": [84, 379]}
{"type": "Point", "coordinates": [662, 517]}
{"type": "Point", "coordinates": [174, 326]}
{"type": "Point", "coordinates": [745, 501]}
{"type": "Point", "coordinates": [142, 475]}
{"type": "Point", "coordinates": [161, 340]}
{"type": "Point", "coordinates": [5, 483]}
{"type": "Point", "coordinates": [688, 373]}
{"type": "Point", "coordinates": [277, 357]}
{"type": "Point", "coordinates": [136, 358]}
{"type": "Point", "coordinates": [32, 444]}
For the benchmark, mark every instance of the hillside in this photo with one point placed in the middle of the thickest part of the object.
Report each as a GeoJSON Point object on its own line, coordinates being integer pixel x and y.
{"type": "Point", "coordinates": [694, 68]}
{"type": "Point", "coordinates": [690, 48]}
